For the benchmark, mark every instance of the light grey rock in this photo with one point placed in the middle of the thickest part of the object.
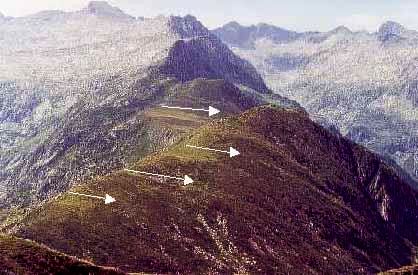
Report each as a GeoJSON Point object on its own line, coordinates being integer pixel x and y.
{"type": "Point", "coordinates": [363, 83]}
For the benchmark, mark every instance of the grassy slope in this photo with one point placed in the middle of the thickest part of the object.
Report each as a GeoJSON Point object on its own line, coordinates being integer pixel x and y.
{"type": "Point", "coordinates": [97, 140]}
{"type": "Point", "coordinates": [406, 270]}
{"type": "Point", "coordinates": [293, 202]}
{"type": "Point", "coordinates": [19, 256]}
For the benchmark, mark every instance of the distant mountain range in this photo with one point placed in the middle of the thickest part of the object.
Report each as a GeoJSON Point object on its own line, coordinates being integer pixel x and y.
{"type": "Point", "coordinates": [363, 83]}
{"type": "Point", "coordinates": [81, 97]}
{"type": "Point", "coordinates": [240, 36]}
{"type": "Point", "coordinates": [75, 87]}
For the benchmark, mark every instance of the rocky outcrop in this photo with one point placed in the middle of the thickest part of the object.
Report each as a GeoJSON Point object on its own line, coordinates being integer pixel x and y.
{"type": "Point", "coordinates": [391, 31]}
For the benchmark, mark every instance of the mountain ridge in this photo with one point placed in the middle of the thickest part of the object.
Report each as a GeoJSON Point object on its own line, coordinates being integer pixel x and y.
{"type": "Point", "coordinates": [353, 223]}
{"type": "Point", "coordinates": [237, 35]}
{"type": "Point", "coordinates": [87, 112]}
{"type": "Point", "coordinates": [299, 199]}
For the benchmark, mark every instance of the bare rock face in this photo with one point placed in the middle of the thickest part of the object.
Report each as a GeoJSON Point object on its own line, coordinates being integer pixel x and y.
{"type": "Point", "coordinates": [200, 54]}
{"type": "Point", "coordinates": [391, 30]}
{"type": "Point", "coordinates": [370, 94]}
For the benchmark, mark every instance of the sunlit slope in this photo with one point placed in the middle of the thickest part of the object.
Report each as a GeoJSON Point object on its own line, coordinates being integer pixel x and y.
{"type": "Point", "coordinates": [94, 140]}
{"type": "Point", "coordinates": [297, 200]}
{"type": "Point", "coordinates": [19, 256]}
{"type": "Point", "coordinates": [406, 270]}
{"type": "Point", "coordinates": [77, 98]}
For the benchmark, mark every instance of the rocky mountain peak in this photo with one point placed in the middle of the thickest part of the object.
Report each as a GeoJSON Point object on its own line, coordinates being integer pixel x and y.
{"type": "Point", "coordinates": [390, 29]}
{"type": "Point", "coordinates": [200, 54]}
{"type": "Point", "coordinates": [232, 25]}
{"type": "Point", "coordinates": [187, 26]}
{"type": "Point", "coordinates": [275, 33]}
{"type": "Point", "coordinates": [103, 8]}
{"type": "Point", "coordinates": [265, 26]}
{"type": "Point", "coordinates": [341, 30]}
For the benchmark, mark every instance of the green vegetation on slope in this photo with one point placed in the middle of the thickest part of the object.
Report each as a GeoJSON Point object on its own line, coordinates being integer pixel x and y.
{"type": "Point", "coordinates": [297, 200]}
{"type": "Point", "coordinates": [94, 140]}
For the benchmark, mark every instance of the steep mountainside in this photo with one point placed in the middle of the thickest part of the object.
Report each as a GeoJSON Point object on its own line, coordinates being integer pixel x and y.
{"type": "Point", "coordinates": [363, 83]}
{"type": "Point", "coordinates": [298, 200]}
{"type": "Point", "coordinates": [19, 256]}
{"type": "Point", "coordinates": [78, 92]}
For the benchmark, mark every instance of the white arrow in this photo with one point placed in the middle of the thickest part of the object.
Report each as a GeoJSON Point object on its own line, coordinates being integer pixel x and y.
{"type": "Point", "coordinates": [186, 180]}
{"type": "Point", "coordinates": [212, 111]}
{"type": "Point", "coordinates": [108, 199]}
{"type": "Point", "coordinates": [232, 152]}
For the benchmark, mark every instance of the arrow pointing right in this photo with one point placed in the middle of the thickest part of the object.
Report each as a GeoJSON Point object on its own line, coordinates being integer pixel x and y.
{"type": "Point", "coordinates": [107, 199]}
{"type": "Point", "coordinates": [186, 180]}
{"type": "Point", "coordinates": [212, 111]}
{"type": "Point", "coordinates": [232, 152]}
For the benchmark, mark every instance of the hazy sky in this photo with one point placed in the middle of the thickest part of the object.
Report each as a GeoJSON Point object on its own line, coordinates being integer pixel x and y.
{"type": "Point", "coordinates": [294, 14]}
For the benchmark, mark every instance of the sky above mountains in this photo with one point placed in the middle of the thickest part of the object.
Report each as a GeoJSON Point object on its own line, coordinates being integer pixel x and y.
{"type": "Point", "coordinates": [299, 15]}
